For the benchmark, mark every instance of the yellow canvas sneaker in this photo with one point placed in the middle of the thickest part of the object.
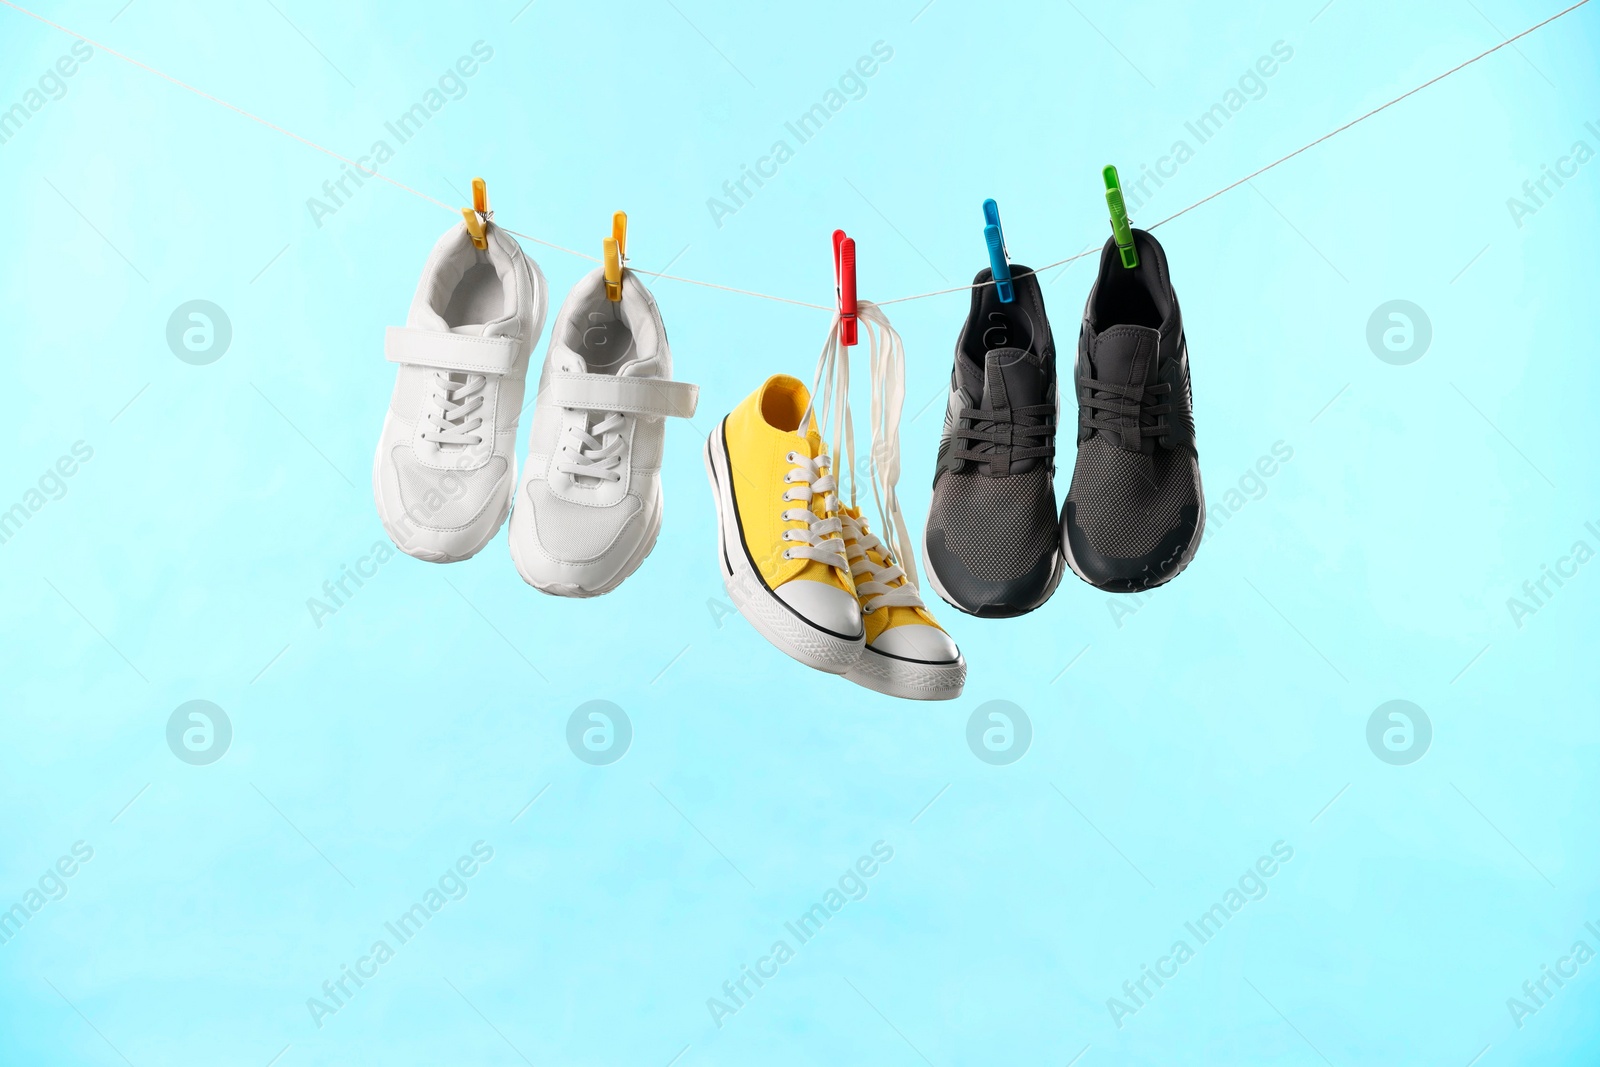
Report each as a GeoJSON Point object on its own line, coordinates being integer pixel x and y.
{"type": "Point", "coordinates": [779, 532]}
{"type": "Point", "coordinates": [907, 653]}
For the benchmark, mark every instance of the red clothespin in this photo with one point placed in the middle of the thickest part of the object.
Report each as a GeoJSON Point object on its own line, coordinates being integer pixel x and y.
{"type": "Point", "coordinates": [844, 280]}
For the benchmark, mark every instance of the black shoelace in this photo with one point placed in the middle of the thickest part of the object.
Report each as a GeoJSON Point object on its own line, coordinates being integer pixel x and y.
{"type": "Point", "coordinates": [1012, 434]}
{"type": "Point", "coordinates": [1128, 412]}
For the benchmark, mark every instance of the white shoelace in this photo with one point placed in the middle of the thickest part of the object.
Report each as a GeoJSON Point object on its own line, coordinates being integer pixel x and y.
{"type": "Point", "coordinates": [586, 453]}
{"type": "Point", "coordinates": [886, 365]}
{"type": "Point", "coordinates": [878, 587]}
{"type": "Point", "coordinates": [822, 539]}
{"type": "Point", "coordinates": [449, 421]}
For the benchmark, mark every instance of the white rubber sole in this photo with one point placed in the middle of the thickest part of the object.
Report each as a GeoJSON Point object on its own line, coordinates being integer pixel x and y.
{"type": "Point", "coordinates": [774, 620]}
{"type": "Point", "coordinates": [578, 592]}
{"type": "Point", "coordinates": [909, 679]}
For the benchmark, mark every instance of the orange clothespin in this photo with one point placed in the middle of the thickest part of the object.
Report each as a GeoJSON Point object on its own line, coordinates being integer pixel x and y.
{"type": "Point", "coordinates": [478, 215]}
{"type": "Point", "coordinates": [616, 254]}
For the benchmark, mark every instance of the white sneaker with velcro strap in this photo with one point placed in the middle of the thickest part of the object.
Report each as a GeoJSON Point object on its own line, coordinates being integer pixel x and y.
{"type": "Point", "coordinates": [445, 467]}
{"type": "Point", "coordinates": [588, 505]}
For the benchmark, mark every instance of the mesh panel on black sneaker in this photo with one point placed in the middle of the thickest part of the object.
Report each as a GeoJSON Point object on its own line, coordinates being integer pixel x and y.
{"type": "Point", "coordinates": [997, 527]}
{"type": "Point", "coordinates": [1126, 501]}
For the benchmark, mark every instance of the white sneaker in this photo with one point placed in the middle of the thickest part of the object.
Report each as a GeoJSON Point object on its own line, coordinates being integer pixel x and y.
{"type": "Point", "coordinates": [588, 505]}
{"type": "Point", "coordinates": [445, 467]}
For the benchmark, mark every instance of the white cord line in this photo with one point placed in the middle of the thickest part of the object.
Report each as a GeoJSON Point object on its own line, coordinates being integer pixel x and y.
{"type": "Point", "coordinates": [656, 273]}
{"type": "Point", "coordinates": [231, 107]}
{"type": "Point", "coordinates": [978, 285]}
{"type": "Point", "coordinates": [375, 174]}
{"type": "Point", "coordinates": [731, 289]}
{"type": "Point", "coordinates": [531, 237]}
{"type": "Point", "coordinates": [768, 296]}
{"type": "Point", "coordinates": [1374, 111]}
{"type": "Point", "coordinates": [1269, 166]}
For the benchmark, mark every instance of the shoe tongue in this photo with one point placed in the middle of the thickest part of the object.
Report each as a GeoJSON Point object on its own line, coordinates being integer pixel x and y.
{"type": "Point", "coordinates": [815, 570]}
{"type": "Point", "coordinates": [814, 441]}
{"type": "Point", "coordinates": [566, 358]}
{"type": "Point", "coordinates": [454, 258]}
{"type": "Point", "coordinates": [1011, 379]}
{"type": "Point", "coordinates": [569, 359]}
{"type": "Point", "coordinates": [640, 368]}
{"type": "Point", "coordinates": [1127, 356]}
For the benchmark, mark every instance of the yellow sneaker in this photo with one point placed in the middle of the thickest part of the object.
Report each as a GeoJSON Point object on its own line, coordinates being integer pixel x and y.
{"type": "Point", "coordinates": [778, 528]}
{"type": "Point", "coordinates": [907, 653]}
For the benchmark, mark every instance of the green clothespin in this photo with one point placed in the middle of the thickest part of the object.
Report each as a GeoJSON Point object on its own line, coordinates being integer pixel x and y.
{"type": "Point", "coordinates": [1121, 230]}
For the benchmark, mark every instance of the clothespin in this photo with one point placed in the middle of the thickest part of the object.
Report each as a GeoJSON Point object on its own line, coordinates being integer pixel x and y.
{"type": "Point", "coordinates": [478, 215]}
{"type": "Point", "coordinates": [1121, 229]}
{"type": "Point", "coordinates": [999, 259]}
{"type": "Point", "coordinates": [616, 254]}
{"type": "Point", "coordinates": [844, 280]}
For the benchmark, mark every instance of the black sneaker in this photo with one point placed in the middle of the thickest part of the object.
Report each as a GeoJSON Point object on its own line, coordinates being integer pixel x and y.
{"type": "Point", "coordinates": [992, 543]}
{"type": "Point", "coordinates": [1134, 513]}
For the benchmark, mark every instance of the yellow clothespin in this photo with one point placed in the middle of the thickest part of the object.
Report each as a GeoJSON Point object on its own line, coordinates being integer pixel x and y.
{"type": "Point", "coordinates": [478, 214]}
{"type": "Point", "coordinates": [616, 253]}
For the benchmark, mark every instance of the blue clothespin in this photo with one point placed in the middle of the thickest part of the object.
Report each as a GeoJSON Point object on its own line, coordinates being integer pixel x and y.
{"type": "Point", "coordinates": [999, 261]}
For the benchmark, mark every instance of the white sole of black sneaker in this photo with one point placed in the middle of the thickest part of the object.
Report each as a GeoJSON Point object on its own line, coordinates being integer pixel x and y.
{"type": "Point", "coordinates": [786, 629]}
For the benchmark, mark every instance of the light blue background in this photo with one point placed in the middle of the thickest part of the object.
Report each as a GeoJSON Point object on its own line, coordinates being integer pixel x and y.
{"type": "Point", "coordinates": [1171, 747]}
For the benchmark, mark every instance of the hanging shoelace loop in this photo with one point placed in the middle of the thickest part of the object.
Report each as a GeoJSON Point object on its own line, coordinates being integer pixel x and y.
{"type": "Point", "coordinates": [830, 405]}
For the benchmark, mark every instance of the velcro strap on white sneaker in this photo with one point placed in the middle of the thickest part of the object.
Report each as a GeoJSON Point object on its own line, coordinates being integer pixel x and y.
{"type": "Point", "coordinates": [450, 351]}
{"type": "Point", "coordinates": [636, 396]}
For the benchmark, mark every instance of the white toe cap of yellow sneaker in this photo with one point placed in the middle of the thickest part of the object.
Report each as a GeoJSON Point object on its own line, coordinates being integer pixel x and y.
{"type": "Point", "coordinates": [929, 644]}
{"type": "Point", "coordinates": [825, 606]}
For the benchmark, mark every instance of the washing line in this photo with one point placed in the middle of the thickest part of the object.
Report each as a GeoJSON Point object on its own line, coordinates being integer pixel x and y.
{"type": "Point", "coordinates": [769, 296]}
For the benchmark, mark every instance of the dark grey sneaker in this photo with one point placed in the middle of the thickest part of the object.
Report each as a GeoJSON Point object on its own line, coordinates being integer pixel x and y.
{"type": "Point", "coordinates": [992, 543]}
{"type": "Point", "coordinates": [1135, 512]}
